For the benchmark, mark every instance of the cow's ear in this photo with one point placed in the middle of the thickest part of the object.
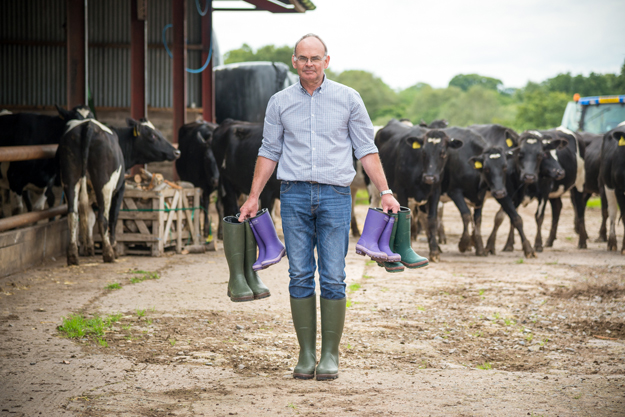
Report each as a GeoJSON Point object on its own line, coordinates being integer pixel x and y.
{"type": "Point", "coordinates": [63, 114]}
{"type": "Point", "coordinates": [511, 140]}
{"type": "Point", "coordinates": [476, 162]}
{"type": "Point", "coordinates": [619, 137]}
{"type": "Point", "coordinates": [549, 143]}
{"type": "Point", "coordinates": [131, 122]}
{"type": "Point", "coordinates": [414, 142]}
{"type": "Point", "coordinates": [455, 143]}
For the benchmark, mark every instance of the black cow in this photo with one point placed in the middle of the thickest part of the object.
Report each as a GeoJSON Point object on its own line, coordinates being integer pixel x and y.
{"type": "Point", "coordinates": [612, 175]}
{"type": "Point", "coordinates": [197, 163]}
{"type": "Point", "coordinates": [94, 157]}
{"type": "Point", "coordinates": [23, 129]}
{"type": "Point", "coordinates": [473, 170]}
{"type": "Point", "coordinates": [235, 146]}
{"type": "Point", "coordinates": [592, 183]}
{"type": "Point", "coordinates": [414, 159]}
{"type": "Point", "coordinates": [530, 174]}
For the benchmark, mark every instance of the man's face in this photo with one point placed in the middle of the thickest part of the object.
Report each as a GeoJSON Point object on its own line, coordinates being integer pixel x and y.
{"type": "Point", "coordinates": [312, 70]}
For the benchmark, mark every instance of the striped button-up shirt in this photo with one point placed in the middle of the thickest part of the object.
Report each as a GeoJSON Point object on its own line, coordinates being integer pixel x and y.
{"type": "Point", "coordinates": [312, 137]}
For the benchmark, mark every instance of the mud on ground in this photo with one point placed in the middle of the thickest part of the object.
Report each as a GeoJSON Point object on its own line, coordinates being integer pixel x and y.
{"type": "Point", "coordinates": [469, 336]}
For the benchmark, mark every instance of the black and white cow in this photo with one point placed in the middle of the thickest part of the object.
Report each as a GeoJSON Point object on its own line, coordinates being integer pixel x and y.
{"type": "Point", "coordinates": [612, 175]}
{"type": "Point", "coordinates": [17, 178]}
{"type": "Point", "coordinates": [93, 159]}
{"type": "Point", "coordinates": [197, 163]}
{"type": "Point", "coordinates": [475, 169]}
{"type": "Point", "coordinates": [592, 182]}
{"type": "Point", "coordinates": [414, 160]}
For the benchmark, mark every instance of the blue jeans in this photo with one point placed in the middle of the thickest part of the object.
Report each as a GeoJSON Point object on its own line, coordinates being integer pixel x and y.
{"type": "Point", "coordinates": [316, 215]}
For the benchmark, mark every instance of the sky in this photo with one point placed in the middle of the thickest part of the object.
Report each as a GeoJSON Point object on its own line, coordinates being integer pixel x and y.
{"type": "Point", "coordinates": [409, 41]}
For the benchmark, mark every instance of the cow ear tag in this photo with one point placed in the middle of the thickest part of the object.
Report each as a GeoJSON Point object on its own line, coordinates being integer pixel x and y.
{"type": "Point", "coordinates": [134, 132]}
{"type": "Point", "coordinates": [478, 165]}
{"type": "Point", "coordinates": [416, 145]}
{"type": "Point", "coordinates": [509, 143]}
{"type": "Point", "coordinates": [622, 141]}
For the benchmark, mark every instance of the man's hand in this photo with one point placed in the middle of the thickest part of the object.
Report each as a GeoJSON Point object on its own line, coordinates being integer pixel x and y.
{"type": "Point", "coordinates": [249, 209]}
{"type": "Point", "coordinates": [389, 203]}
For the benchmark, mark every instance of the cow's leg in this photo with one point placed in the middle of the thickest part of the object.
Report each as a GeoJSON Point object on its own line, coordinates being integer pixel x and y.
{"type": "Point", "coordinates": [422, 221]}
{"type": "Point", "coordinates": [507, 206]}
{"type": "Point", "coordinates": [205, 199]}
{"type": "Point", "coordinates": [580, 216]}
{"type": "Point", "coordinates": [477, 232]}
{"type": "Point", "coordinates": [17, 203]}
{"type": "Point", "coordinates": [104, 195]}
{"type": "Point", "coordinates": [375, 199]}
{"type": "Point", "coordinates": [603, 235]}
{"type": "Point", "coordinates": [72, 191]}
{"type": "Point", "coordinates": [620, 198]}
{"type": "Point", "coordinates": [540, 217]}
{"type": "Point", "coordinates": [442, 237]}
{"type": "Point", "coordinates": [354, 223]}
{"type": "Point", "coordinates": [509, 246]}
{"type": "Point", "coordinates": [116, 203]}
{"type": "Point", "coordinates": [229, 200]}
{"type": "Point", "coordinates": [87, 219]}
{"type": "Point", "coordinates": [458, 199]}
{"type": "Point", "coordinates": [556, 209]}
{"type": "Point", "coordinates": [414, 225]}
{"type": "Point", "coordinates": [490, 244]}
{"type": "Point", "coordinates": [27, 202]}
{"type": "Point", "coordinates": [612, 212]}
{"type": "Point", "coordinates": [435, 250]}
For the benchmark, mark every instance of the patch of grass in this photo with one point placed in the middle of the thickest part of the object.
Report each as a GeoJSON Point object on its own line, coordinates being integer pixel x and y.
{"type": "Point", "coordinates": [485, 366]}
{"type": "Point", "coordinates": [148, 322]}
{"type": "Point", "coordinates": [593, 202]}
{"type": "Point", "coordinates": [509, 322]}
{"type": "Point", "coordinates": [367, 276]}
{"type": "Point", "coordinates": [127, 327]}
{"type": "Point", "coordinates": [349, 346]}
{"type": "Point", "coordinates": [153, 309]}
{"type": "Point", "coordinates": [424, 364]}
{"type": "Point", "coordinates": [478, 334]}
{"type": "Point", "coordinates": [552, 263]}
{"type": "Point", "coordinates": [481, 292]}
{"type": "Point", "coordinates": [142, 276]}
{"type": "Point", "coordinates": [102, 342]}
{"type": "Point", "coordinates": [529, 337]}
{"type": "Point", "coordinates": [543, 342]}
{"type": "Point", "coordinates": [362, 197]}
{"type": "Point", "coordinates": [77, 326]}
{"type": "Point", "coordinates": [577, 397]}
{"type": "Point", "coordinates": [497, 316]}
{"type": "Point", "coordinates": [172, 342]}
{"type": "Point", "coordinates": [520, 261]}
{"type": "Point", "coordinates": [114, 286]}
{"type": "Point", "coordinates": [353, 287]}
{"type": "Point", "coordinates": [140, 313]}
{"type": "Point", "coordinates": [370, 262]}
{"type": "Point", "coordinates": [349, 303]}
{"type": "Point", "coordinates": [384, 289]}
{"type": "Point", "coordinates": [291, 405]}
{"type": "Point", "coordinates": [420, 308]}
{"type": "Point", "coordinates": [569, 239]}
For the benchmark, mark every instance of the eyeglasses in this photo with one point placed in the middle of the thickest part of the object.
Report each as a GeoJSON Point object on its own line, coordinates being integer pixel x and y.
{"type": "Point", "coordinates": [314, 59]}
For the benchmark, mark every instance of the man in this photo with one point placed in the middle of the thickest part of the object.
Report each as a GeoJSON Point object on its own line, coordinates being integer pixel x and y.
{"type": "Point", "coordinates": [311, 128]}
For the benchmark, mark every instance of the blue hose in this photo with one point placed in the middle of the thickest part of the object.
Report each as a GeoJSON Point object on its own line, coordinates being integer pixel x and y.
{"type": "Point", "coordinates": [197, 4]}
{"type": "Point", "coordinates": [193, 71]}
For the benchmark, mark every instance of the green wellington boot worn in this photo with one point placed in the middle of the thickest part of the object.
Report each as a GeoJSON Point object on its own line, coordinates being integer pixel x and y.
{"type": "Point", "coordinates": [332, 320]}
{"type": "Point", "coordinates": [393, 266]}
{"type": "Point", "coordinates": [234, 248]}
{"type": "Point", "coordinates": [403, 243]}
{"type": "Point", "coordinates": [259, 289]}
{"type": "Point", "coordinates": [304, 312]}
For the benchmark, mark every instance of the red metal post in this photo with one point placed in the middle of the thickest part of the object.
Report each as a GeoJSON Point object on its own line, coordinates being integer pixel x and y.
{"type": "Point", "coordinates": [179, 72]}
{"type": "Point", "coordinates": [76, 52]}
{"type": "Point", "coordinates": [208, 78]}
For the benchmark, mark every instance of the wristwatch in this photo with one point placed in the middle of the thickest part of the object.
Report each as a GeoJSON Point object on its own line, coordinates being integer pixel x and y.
{"type": "Point", "coordinates": [389, 191]}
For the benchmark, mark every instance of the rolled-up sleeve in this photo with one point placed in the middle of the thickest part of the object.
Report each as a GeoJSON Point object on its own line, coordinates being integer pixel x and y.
{"type": "Point", "coordinates": [273, 132]}
{"type": "Point", "coordinates": [360, 128]}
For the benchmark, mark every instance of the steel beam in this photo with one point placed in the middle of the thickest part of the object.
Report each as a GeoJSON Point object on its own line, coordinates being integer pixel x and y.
{"type": "Point", "coordinates": [179, 72]}
{"type": "Point", "coordinates": [138, 59]}
{"type": "Point", "coordinates": [208, 78]}
{"type": "Point", "coordinates": [76, 52]}
{"type": "Point", "coordinates": [25, 153]}
{"type": "Point", "coordinates": [32, 217]}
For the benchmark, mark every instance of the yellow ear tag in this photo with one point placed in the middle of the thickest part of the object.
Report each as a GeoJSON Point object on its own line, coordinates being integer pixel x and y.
{"type": "Point", "coordinates": [134, 132]}
{"type": "Point", "coordinates": [621, 142]}
{"type": "Point", "coordinates": [509, 143]}
{"type": "Point", "coordinates": [415, 145]}
{"type": "Point", "coordinates": [478, 165]}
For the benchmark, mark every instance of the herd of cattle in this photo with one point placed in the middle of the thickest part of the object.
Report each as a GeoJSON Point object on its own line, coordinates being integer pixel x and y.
{"type": "Point", "coordinates": [430, 164]}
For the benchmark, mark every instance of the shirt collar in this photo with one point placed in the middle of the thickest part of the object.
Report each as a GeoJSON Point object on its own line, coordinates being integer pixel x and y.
{"type": "Point", "coordinates": [319, 89]}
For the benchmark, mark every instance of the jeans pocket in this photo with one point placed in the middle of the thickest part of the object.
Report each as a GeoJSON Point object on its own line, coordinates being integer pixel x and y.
{"type": "Point", "coordinates": [285, 186]}
{"type": "Point", "coordinates": [341, 190]}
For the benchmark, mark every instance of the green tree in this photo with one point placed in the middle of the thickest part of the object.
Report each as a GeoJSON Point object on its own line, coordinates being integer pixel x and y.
{"type": "Point", "coordinates": [269, 53]}
{"type": "Point", "coordinates": [541, 110]}
{"type": "Point", "coordinates": [466, 81]}
{"type": "Point", "coordinates": [377, 96]}
{"type": "Point", "coordinates": [478, 105]}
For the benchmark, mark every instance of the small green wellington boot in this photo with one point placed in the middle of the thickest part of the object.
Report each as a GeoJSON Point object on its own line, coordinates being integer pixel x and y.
{"type": "Point", "coordinates": [234, 249]}
{"type": "Point", "coordinates": [393, 266]}
{"type": "Point", "coordinates": [259, 289]}
{"type": "Point", "coordinates": [304, 312]}
{"type": "Point", "coordinates": [332, 321]}
{"type": "Point", "coordinates": [403, 244]}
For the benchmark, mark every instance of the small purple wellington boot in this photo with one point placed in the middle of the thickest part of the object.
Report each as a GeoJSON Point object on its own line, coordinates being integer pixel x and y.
{"type": "Point", "coordinates": [375, 223]}
{"type": "Point", "coordinates": [258, 265]}
{"type": "Point", "coordinates": [384, 241]}
{"type": "Point", "coordinates": [265, 232]}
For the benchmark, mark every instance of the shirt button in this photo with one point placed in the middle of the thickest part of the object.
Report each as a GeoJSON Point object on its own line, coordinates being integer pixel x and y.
{"type": "Point", "coordinates": [313, 115]}
{"type": "Point", "coordinates": [313, 132]}
{"type": "Point", "coordinates": [313, 149]}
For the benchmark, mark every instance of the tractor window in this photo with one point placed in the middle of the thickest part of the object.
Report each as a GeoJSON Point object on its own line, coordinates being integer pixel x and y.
{"type": "Point", "coordinates": [603, 118]}
{"type": "Point", "coordinates": [571, 117]}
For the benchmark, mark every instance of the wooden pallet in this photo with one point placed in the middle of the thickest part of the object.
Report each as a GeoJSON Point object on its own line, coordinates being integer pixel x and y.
{"type": "Point", "coordinates": [164, 219]}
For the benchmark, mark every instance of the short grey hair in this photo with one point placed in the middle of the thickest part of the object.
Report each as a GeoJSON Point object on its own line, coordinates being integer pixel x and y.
{"type": "Point", "coordinates": [311, 35]}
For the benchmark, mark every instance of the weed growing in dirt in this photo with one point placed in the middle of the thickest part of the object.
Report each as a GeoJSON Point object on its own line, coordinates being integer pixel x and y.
{"type": "Point", "coordinates": [143, 275]}
{"type": "Point", "coordinates": [509, 322]}
{"type": "Point", "coordinates": [293, 406]}
{"type": "Point", "coordinates": [140, 313]}
{"type": "Point", "coordinates": [482, 291]}
{"type": "Point", "coordinates": [172, 342]}
{"type": "Point", "coordinates": [102, 342]}
{"type": "Point", "coordinates": [367, 276]}
{"type": "Point", "coordinates": [529, 337]}
{"type": "Point", "coordinates": [486, 366]}
{"type": "Point", "coordinates": [149, 322]}
{"type": "Point", "coordinates": [520, 261]}
{"type": "Point", "coordinates": [353, 287]}
{"type": "Point", "coordinates": [543, 342]}
{"type": "Point", "coordinates": [384, 289]}
{"type": "Point", "coordinates": [127, 327]}
{"type": "Point", "coordinates": [370, 262]}
{"type": "Point", "coordinates": [153, 309]}
{"type": "Point", "coordinates": [552, 263]}
{"type": "Point", "coordinates": [420, 308]}
{"type": "Point", "coordinates": [478, 334]}
{"type": "Point", "coordinates": [497, 316]}
{"type": "Point", "coordinates": [349, 303]}
{"type": "Point", "coordinates": [114, 286]}
{"type": "Point", "coordinates": [77, 326]}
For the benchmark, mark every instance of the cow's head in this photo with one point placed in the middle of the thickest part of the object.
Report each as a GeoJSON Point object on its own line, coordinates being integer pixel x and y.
{"type": "Point", "coordinates": [434, 153]}
{"type": "Point", "coordinates": [209, 163]}
{"type": "Point", "coordinates": [492, 164]}
{"type": "Point", "coordinates": [617, 135]}
{"type": "Point", "coordinates": [77, 113]}
{"type": "Point", "coordinates": [531, 151]}
{"type": "Point", "coordinates": [149, 145]}
{"type": "Point", "coordinates": [551, 168]}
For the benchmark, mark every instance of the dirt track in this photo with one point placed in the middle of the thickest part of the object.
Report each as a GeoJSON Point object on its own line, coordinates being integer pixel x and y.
{"type": "Point", "coordinates": [551, 329]}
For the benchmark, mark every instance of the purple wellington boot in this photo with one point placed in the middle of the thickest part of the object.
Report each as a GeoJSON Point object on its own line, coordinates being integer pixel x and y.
{"type": "Point", "coordinates": [375, 223]}
{"type": "Point", "coordinates": [265, 231]}
{"type": "Point", "coordinates": [385, 238]}
{"type": "Point", "coordinates": [258, 265]}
